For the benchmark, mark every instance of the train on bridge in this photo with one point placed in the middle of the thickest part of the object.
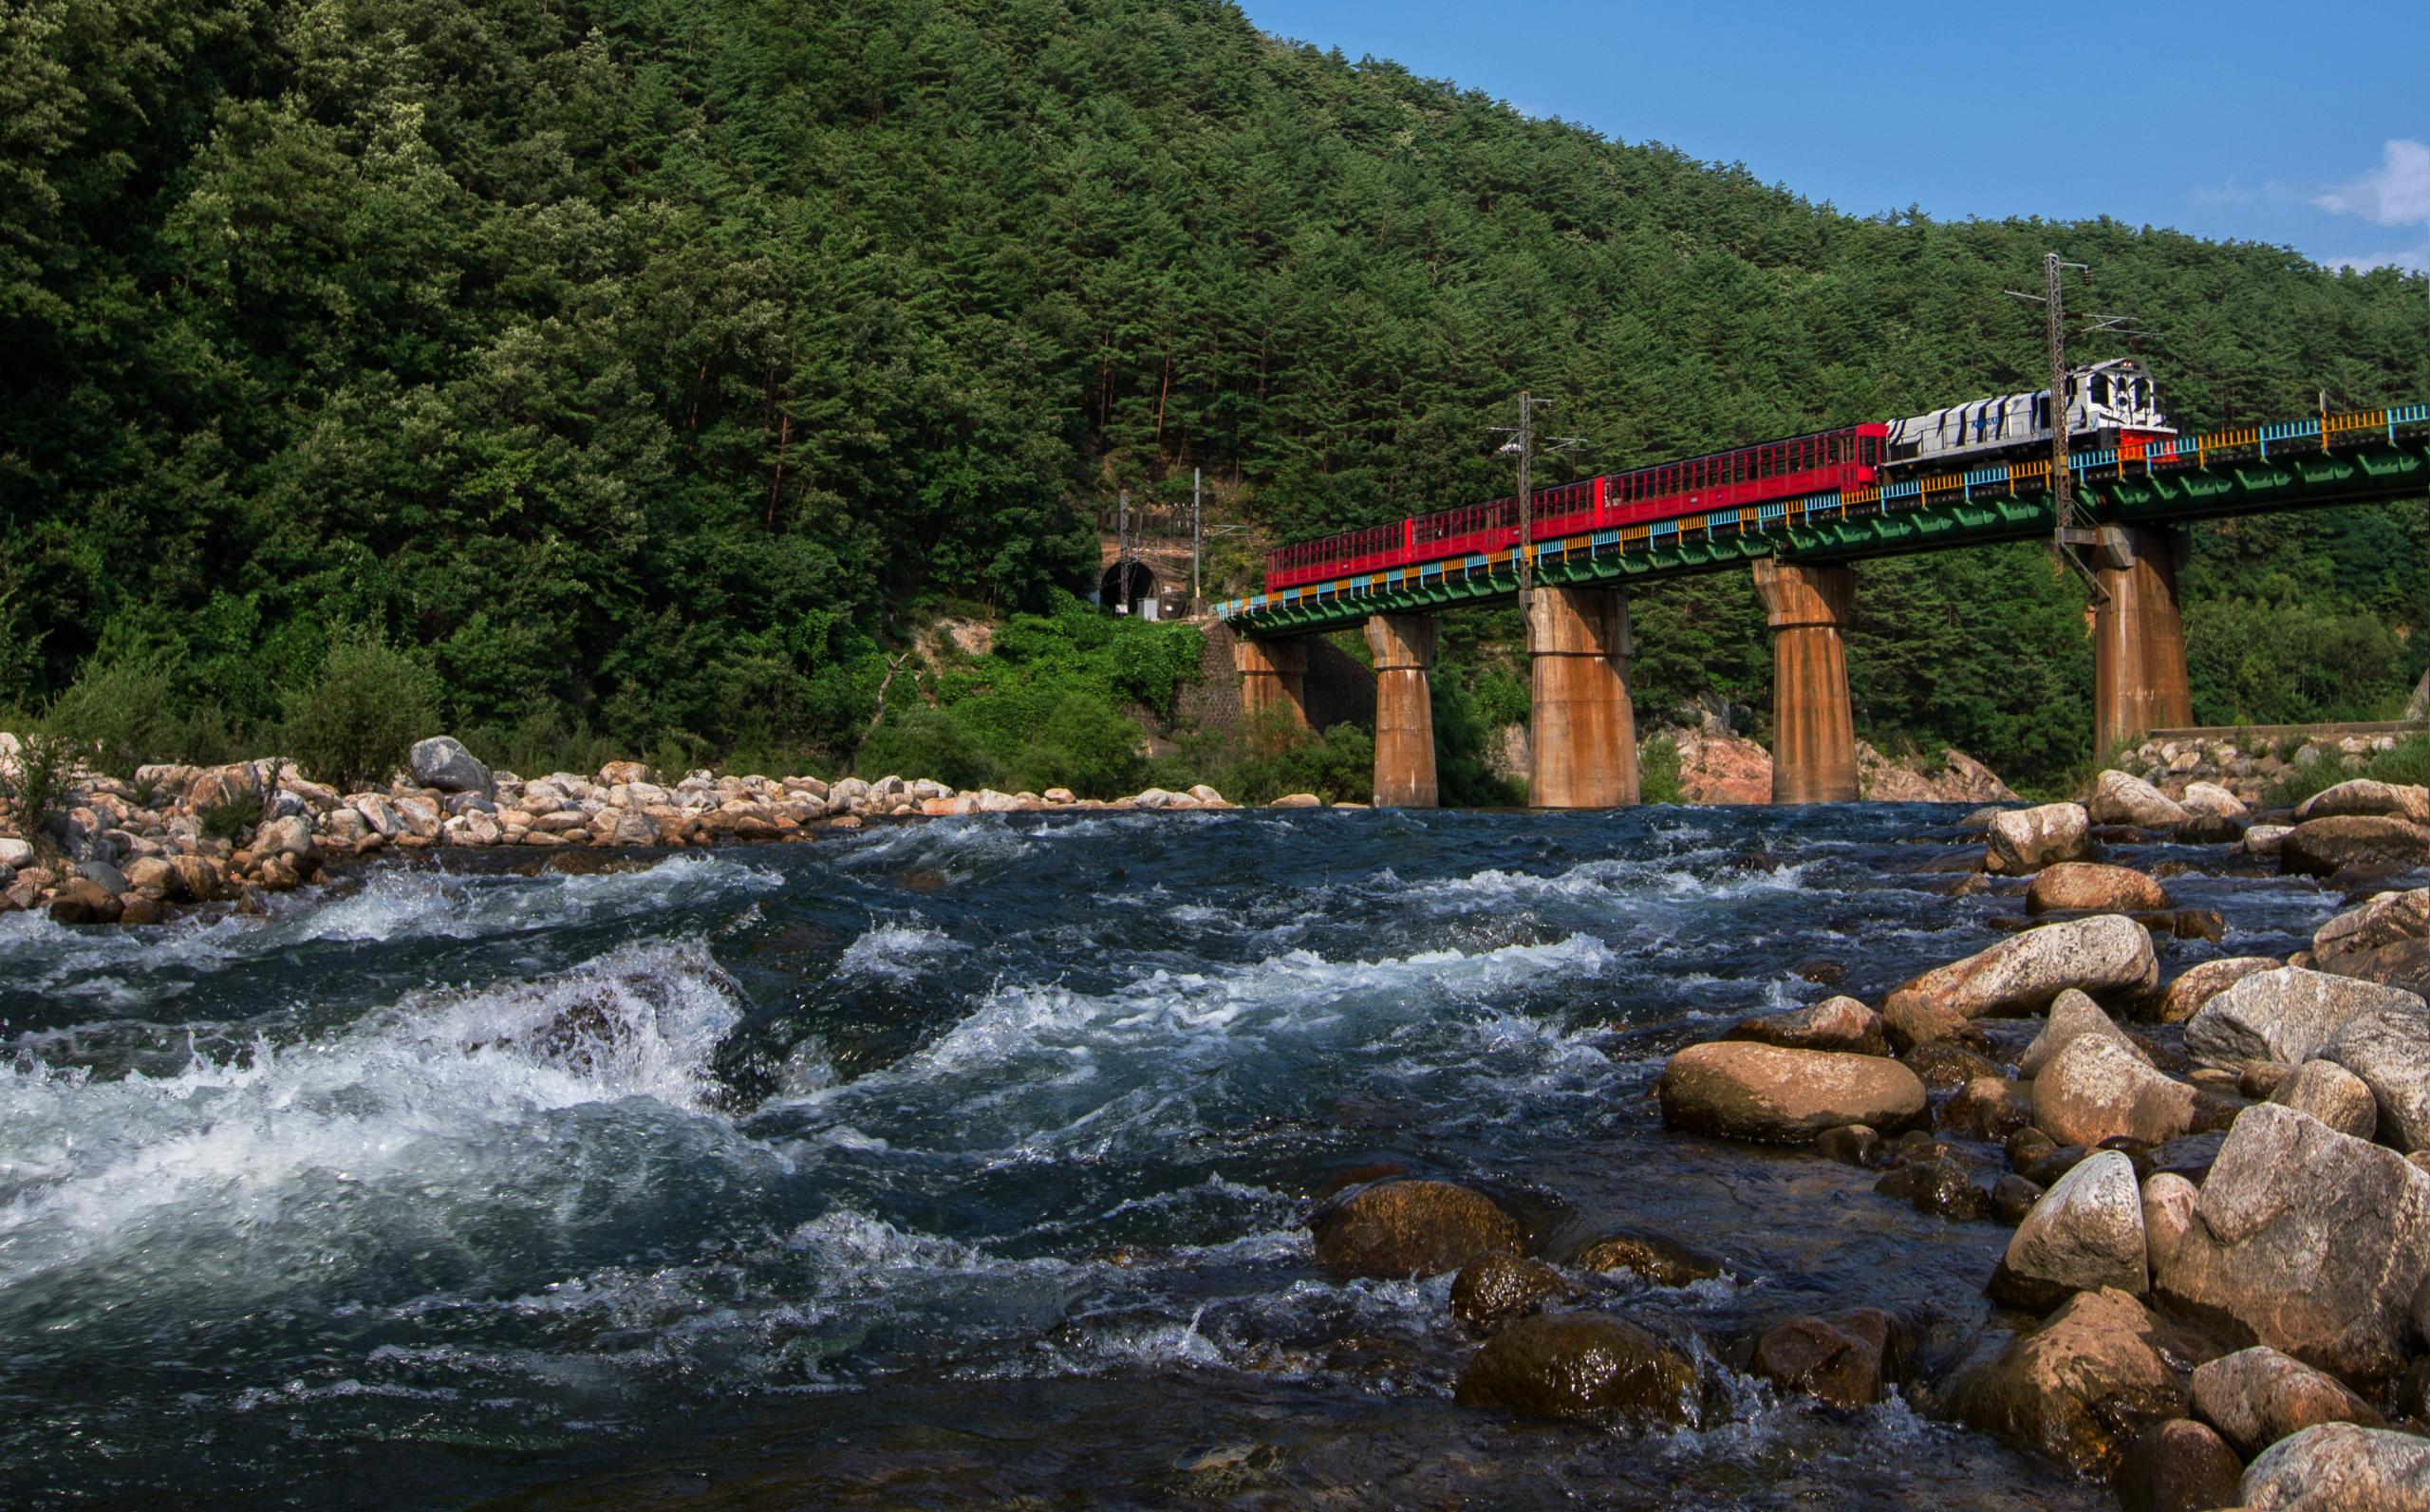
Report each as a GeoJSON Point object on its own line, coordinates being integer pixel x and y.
{"type": "Point", "coordinates": [2107, 406]}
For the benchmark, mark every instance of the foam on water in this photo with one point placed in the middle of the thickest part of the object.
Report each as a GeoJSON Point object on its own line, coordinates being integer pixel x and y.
{"type": "Point", "coordinates": [895, 950]}
{"type": "Point", "coordinates": [435, 1104]}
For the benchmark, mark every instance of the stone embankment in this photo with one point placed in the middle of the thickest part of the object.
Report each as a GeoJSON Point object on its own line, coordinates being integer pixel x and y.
{"type": "Point", "coordinates": [134, 852]}
{"type": "Point", "coordinates": [2247, 762]}
{"type": "Point", "coordinates": [2215, 1290]}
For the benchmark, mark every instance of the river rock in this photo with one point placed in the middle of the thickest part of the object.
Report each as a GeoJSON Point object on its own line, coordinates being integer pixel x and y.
{"type": "Point", "coordinates": [2085, 1233]}
{"type": "Point", "coordinates": [1411, 1228]}
{"type": "Point", "coordinates": [1850, 1359]}
{"type": "Point", "coordinates": [2080, 1386]}
{"type": "Point", "coordinates": [2025, 840]}
{"type": "Point", "coordinates": [2322, 848]}
{"type": "Point", "coordinates": [1944, 1065]}
{"type": "Point", "coordinates": [2168, 1212]}
{"type": "Point", "coordinates": [2307, 1240]}
{"type": "Point", "coordinates": [2257, 1396]}
{"type": "Point", "coordinates": [1746, 1090]}
{"type": "Point", "coordinates": [2264, 839]}
{"type": "Point", "coordinates": [1912, 1018]}
{"type": "Point", "coordinates": [1990, 1108]}
{"type": "Point", "coordinates": [2333, 1095]}
{"type": "Point", "coordinates": [2107, 957]}
{"type": "Point", "coordinates": [2178, 1465]}
{"type": "Point", "coordinates": [2363, 795]}
{"type": "Point", "coordinates": [2341, 1467]}
{"type": "Point", "coordinates": [1494, 1288]}
{"type": "Point", "coordinates": [2096, 1088]}
{"type": "Point", "coordinates": [1849, 1144]}
{"type": "Point", "coordinates": [2090, 886]}
{"type": "Point", "coordinates": [82, 901]}
{"type": "Point", "coordinates": [442, 762]}
{"type": "Point", "coordinates": [1589, 1367]}
{"type": "Point", "coordinates": [2383, 921]}
{"type": "Point", "coordinates": [2199, 984]}
{"type": "Point", "coordinates": [2073, 1014]}
{"type": "Point", "coordinates": [2284, 1014]}
{"type": "Point", "coordinates": [2121, 799]}
{"type": "Point", "coordinates": [2211, 800]}
{"type": "Point", "coordinates": [622, 773]}
{"type": "Point", "coordinates": [1835, 1023]}
{"type": "Point", "coordinates": [2388, 1051]}
{"type": "Point", "coordinates": [1656, 1259]}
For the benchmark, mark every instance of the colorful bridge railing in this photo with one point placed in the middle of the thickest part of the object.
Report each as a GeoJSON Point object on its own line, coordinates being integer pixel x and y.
{"type": "Point", "coordinates": [2320, 459]}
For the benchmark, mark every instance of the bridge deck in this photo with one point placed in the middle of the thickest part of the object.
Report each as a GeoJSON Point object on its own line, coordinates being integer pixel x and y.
{"type": "Point", "coordinates": [2323, 459]}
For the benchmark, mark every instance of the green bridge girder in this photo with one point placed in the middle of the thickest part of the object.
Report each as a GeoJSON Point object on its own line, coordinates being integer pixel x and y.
{"type": "Point", "coordinates": [2238, 481]}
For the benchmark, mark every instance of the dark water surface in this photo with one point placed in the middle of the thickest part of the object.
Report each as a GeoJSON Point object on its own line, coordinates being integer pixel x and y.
{"type": "Point", "coordinates": [960, 1163]}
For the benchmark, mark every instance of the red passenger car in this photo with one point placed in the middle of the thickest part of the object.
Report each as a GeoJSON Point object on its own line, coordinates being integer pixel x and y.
{"type": "Point", "coordinates": [1818, 463]}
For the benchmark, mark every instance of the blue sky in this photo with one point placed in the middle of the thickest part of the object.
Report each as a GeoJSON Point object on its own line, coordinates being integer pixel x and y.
{"type": "Point", "coordinates": [2299, 125]}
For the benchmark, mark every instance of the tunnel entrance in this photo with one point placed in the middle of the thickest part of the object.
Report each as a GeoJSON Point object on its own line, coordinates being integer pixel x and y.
{"type": "Point", "coordinates": [1129, 587]}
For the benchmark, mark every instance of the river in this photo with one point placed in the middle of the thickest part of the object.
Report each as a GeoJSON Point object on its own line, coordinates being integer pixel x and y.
{"type": "Point", "coordinates": [958, 1162]}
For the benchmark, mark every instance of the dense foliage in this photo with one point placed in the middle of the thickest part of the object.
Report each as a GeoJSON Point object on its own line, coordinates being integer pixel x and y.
{"type": "Point", "coordinates": [641, 366]}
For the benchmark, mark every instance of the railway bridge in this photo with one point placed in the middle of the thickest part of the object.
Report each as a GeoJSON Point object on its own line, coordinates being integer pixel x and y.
{"type": "Point", "coordinates": [1804, 556]}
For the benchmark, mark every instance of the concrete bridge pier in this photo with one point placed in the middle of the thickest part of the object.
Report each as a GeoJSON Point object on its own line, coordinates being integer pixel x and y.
{"type": "Point", "coordinates": [1814, 734]}
{"type": "Point", "coordinates": [1273, 673]}
{"type": "Point", "coordinates": [1581, 734]}
{"type": "Point", "coordinates": [1404, 649]}
{"type": "Point", "coordinates": [2138, 640]}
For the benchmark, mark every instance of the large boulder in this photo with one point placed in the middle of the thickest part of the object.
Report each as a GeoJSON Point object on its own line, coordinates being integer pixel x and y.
{"type": "Point", "coordinates": [2383, 921]}
{"type": "Point", "coordinates": [2388, 1051]}
{"type": "Point", "coordinates": [2199, 984]}
{"type": "Point", "coordinates": [2322, 848]}
{"type": "Point", "coordinates": [2340, 1467]}
{"type": "Point", "coordinates": [2307, 1240]}
{"type": "Point", "coordinates": [2091, 887]}
{"type": "Point", "coordinates": [2025, 840]}
{"type": "Point", "coordinates": [2119, 797]}
{"type": "Point", "coordinates": [2080, 1386]}
{"type": "Point", "coordinates": [1850, 1359]}
{"type": "Point", "coordinates": [2331, 1094]}
{"type": "Point", "coordinates": [2097, 1087]}
{"type": "Point", "coordinates": [1589, 1367]}
{"type": "Point", "coordinates": [1746, 1090]}
{"type": "Point", "coordinates": [2072, 1015]}
{"type": "Point", "coordinates": [2178, 1466]}
{"type": "Point", "coordinates": [2085, 1233]}
{"type": "Point", "coordinates": [1835, 1023]}
{"type": "Point", "coordinates": [1411, 1228]}
{"type": "Point", "coordinates": [2108, 958]}
{"type": "Point", "coordinates": [2285, 1014]}
{"type": "Point", "coordinates": [2257, 1396]}
{"type": "Point", "coordinates": [2363, 795]}
{"type": "Point", "coordinates": [442, 762]}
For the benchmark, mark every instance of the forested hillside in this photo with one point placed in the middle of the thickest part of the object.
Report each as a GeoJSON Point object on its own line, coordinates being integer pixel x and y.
{"type": "Point", "coordinates": [644, 364]}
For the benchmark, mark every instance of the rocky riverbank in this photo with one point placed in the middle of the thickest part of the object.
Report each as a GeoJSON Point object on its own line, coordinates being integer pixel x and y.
{"type": "Point", "coordinates": [2216, 1291]}
{"type": "Point", "coordinates": [174, 837]}
{"type": "Point", "coordinates": [2247, 762]}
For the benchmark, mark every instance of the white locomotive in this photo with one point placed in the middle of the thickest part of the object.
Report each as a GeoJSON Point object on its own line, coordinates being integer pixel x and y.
{"type": "Point", "coordinates": [2105, 402]}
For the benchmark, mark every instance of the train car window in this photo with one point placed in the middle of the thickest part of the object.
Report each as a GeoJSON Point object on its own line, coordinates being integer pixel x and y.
{"type": "Point", "coordinates": [2101, 388]}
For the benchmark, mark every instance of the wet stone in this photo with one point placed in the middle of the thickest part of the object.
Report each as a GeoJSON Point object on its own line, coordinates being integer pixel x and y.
{"type": "Point", "coordinates": [2012, 1197]}
{"type": "Point", "coordinates": [1493, 1289]}
{"type": "Point", "coordinates": [2177, 1465]}
{"type": "Point", "coordinates": [1849, 1359]}
{"type": "Point", "coordinates": [1849, 1144]}
{"type": "Point", "coordinates": [1656, 1258]}
{"type": "Point", "coordinates": [1411, 1228]}
{"type": "Point", "coordinates": [1588, 1367]}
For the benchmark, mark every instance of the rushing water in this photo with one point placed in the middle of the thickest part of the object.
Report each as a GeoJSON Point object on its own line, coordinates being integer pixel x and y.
{"type": "Point", "coordinates": [955, 1163]}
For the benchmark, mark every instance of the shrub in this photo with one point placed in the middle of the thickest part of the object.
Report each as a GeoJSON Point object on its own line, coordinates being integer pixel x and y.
{"type": "Point", "coordinates": [918, 741]}
{"type": "Point", "coordinates": [359, 716]}
{"type": "Point", "coordinates": [1083, 744]}
{"type": "Point", "coordinates": [119, 711]}
{"type": "Point", "coordinates": [1276, 755]}
{"type": "Point", "coordinates": [38, 779]}
{"type": "Point", "coordinates": [1657, 766]}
